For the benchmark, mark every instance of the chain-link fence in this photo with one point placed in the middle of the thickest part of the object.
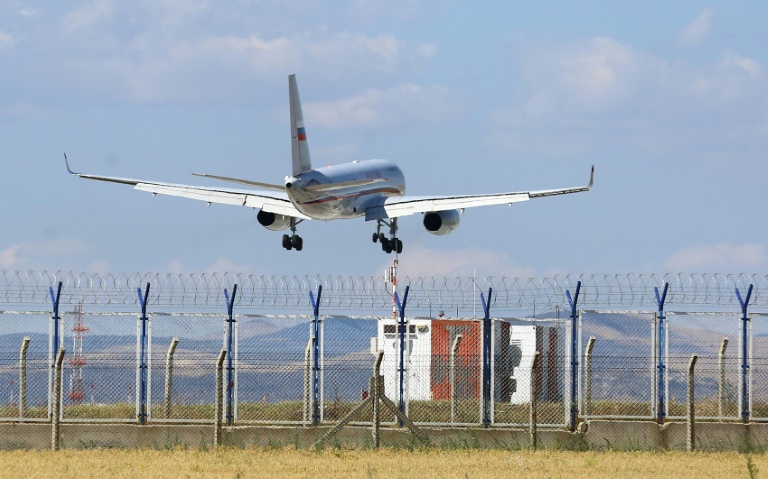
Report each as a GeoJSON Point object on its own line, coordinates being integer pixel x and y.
{"type": "Point", "coordinates": [617, 377]}
{"type": "Point", "coordinates": [446, 369]}
{"type": "Point", "coordinates": [715, 338]}
{"type": "Point", "coordinates": [24, 365]}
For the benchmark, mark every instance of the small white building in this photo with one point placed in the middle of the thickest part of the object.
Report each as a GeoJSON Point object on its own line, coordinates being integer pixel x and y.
{"type": "Point", "coordinates": [515, 343]}
{"type": "Point", "coordinates": [418, 355]}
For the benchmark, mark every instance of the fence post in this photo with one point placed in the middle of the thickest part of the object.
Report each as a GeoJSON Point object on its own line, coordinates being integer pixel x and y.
{"type": "Point", "coordinates": [23, 376]}
{"type": "Point", "coordinates": [377, 390]}
{"type": "Point", "coordinates": [54, 342]}
{"type": "Point", "coordinates": [403, 333]}
{"type": "Point", "coordinates": [230, 351]}
{"type": "Point", "coordinates": [721, 379]}
{"type": "Point", "coordinates": [745, 352]}
{"type": "Point", "coordinates": [168, 390]}
{"type": "Point", "coordinates": [533, 411]}
{"type": "Point", "coordinates": [142, 413]}
{"type": "Point", "coordinates": [588, 376]}
{"type": "Point", "coordinates": [574, 303]}
{"type": "Point", "coordinates": [487, 358]}
{"type": "Point", "coordinates": [219, 401]}
{"type": "Point", "coordinates": [452, 375]}
{"type": "Point", "coordinates": [56, 416]}
{"type": "Point", "coordinates": [691, 407]}
{"type": "Point", "coordinates": [660, 352]}
{"type": "Point", "coordinates": [308, 379]}
{"type": "Point", "coordinates": [316, 373]}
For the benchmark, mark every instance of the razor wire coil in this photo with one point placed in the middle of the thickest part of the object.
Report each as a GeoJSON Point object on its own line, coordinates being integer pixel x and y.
{"type": "Point", "coordinates": [369, 292]}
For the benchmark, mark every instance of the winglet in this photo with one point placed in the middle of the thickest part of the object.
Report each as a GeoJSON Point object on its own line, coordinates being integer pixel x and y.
{"type": "Point", "coordinates": [591, 178]}
{"type": "Point", "coordinates": [66, 162]}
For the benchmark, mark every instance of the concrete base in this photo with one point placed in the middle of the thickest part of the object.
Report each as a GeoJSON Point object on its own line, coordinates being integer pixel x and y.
{"type": "Point", "coordinates": [615, 435]}
{"type": "Point", "coordinates": [710, 436]}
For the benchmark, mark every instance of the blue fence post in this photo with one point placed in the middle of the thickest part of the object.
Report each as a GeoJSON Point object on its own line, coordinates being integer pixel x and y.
{"type": "Point", "coordinates": [660, 351]}
{"type": "Point", "coordinates": [745, 354]}
{"type": "Point", "coordinates": [487, 358]}
{"type": "Point", "coordinates": [55, 341]}
{"type": "Point", "coordinates": [56, 318]}
{"type": "Point", "coordinates": [230, 352]}
{"type": "Point", "coordinates": [316, 355]}
{"type": "Point", "coordinates": [574, 303]}
{"type": "Point", "coordinates": [143, 356]}
{"type": "Point", "coordinates": [402, 332]}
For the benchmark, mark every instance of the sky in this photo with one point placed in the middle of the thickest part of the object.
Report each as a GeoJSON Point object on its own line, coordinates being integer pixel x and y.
{"type": "Point", "coordinates": [669, 101]}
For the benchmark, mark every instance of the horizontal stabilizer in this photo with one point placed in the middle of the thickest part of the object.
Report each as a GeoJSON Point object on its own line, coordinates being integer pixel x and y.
{"type": "Point", "coordinates": [267, 186]}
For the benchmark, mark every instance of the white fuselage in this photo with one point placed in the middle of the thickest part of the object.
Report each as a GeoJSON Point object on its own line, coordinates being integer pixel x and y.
{"type": "Point", "coordinates": [374, 181]}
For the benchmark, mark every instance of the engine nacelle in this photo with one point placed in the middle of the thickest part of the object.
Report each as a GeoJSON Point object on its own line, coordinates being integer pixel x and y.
{"type": "Point", "coordinates": [441, 222]}
{"type": "Point", "coordinates": [272, 221]}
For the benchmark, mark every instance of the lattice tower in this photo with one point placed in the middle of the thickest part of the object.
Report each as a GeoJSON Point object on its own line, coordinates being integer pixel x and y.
{"type": "Point", "coordinates": [77, 361]}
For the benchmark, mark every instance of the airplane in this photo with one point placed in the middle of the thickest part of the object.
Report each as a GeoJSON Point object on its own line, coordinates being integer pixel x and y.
{"type": "Point", "coordinates": [374, 189]}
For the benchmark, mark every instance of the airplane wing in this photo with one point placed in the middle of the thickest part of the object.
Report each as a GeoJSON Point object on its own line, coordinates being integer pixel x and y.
{"type": "Point", "coordinates": [395, 207]}
{"type": "Point", "coordinates": [277, 203]}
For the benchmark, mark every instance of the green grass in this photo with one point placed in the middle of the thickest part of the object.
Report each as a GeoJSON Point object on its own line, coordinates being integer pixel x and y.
{"type": "Point", "coordinates": [436, 411]}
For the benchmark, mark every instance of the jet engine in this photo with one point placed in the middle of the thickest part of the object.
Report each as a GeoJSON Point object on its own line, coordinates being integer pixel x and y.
{"type": "Point", "coordinates": [272, 221]}
{"type": "Point", "coordinates": [441, 222]}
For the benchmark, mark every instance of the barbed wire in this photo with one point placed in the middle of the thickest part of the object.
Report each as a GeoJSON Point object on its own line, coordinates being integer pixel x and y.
{"type": "Point", "coordinates": [369, 292]}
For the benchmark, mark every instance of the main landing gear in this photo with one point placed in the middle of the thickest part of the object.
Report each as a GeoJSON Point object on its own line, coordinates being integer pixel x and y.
{"type": "Point", "coordinates": [391, 244]}
{"type": "Point", "coordinates": [293, 241]}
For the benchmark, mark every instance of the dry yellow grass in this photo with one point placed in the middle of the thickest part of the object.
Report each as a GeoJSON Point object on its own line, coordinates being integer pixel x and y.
{"type": "Point", "coordinates": [385, 463]}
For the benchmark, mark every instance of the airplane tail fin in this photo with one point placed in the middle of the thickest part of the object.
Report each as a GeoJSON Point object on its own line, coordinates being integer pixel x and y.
{"type": "Point", "coordinates": [299, 146]}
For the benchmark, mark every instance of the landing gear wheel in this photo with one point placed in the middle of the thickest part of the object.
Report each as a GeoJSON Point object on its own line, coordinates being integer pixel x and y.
{"type": "Point", "coordinates": [297, 243]}
{"type": "Point", "coordinates": [398, 246]}
{"type": "Point", "coordinates": [287, 242]}
{"type": "Point", "coordinates": [385, 246]}
{"type": "Point", "coordinates": [375, 237]}
{"type": "Point", "coordinates": [382, 238]}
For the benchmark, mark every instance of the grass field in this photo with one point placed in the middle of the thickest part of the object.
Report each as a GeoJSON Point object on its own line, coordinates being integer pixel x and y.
{"type": "Point", "coordinates": [434, 411]}
{"type": "Point", "coordinates": [385, 463]}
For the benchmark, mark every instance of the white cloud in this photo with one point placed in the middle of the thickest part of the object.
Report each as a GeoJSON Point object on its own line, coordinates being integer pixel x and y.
{"type": "Point", "coordinates": [406, 104]}
{"type": "Point", "coordinates": [746, 65]}
{"type": "Point", "coordinates": [24, 110]}
{"type": "Point", "coordinates": [596, 69]}
{"type": "Point", "coordinates": [697, 31]}
{"type": "Point", "coordinates": [721, 257]}
{"type": "Point", "coordinates": [45, 255]}
{"type": "Point", "coordinates": [173, 12]}
{"type": "Point", "coordinates": [6, 40]}
{"type": "Point", "coordinates": [98, 267]}
{"type": "Point", "coordinates": [153, 65]}
{"type": "Point", "coordinates": [221, 265]}
{"type": "Point", "coordinates": [335, 51]}
{"type": "Point", "coordinates": [599, 94]}
{"type": "Point", "coordinates": [95, 12]}
{"type": "Point", "coordinates": [9, 257]}
{"type": "Point", "coordinates": [400, 9]}
{"type": "Point", "coordinates": [418, 261]}
{"type": "Point", "coordinates": [27, 12]}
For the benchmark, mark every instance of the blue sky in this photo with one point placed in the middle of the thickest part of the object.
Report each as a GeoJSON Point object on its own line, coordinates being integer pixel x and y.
{"type": "Point", "coordinates": [669, 100]}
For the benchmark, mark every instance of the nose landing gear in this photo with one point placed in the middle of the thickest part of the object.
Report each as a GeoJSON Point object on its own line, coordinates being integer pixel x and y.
{"type": "Point", "coordinates": [388, 245]}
